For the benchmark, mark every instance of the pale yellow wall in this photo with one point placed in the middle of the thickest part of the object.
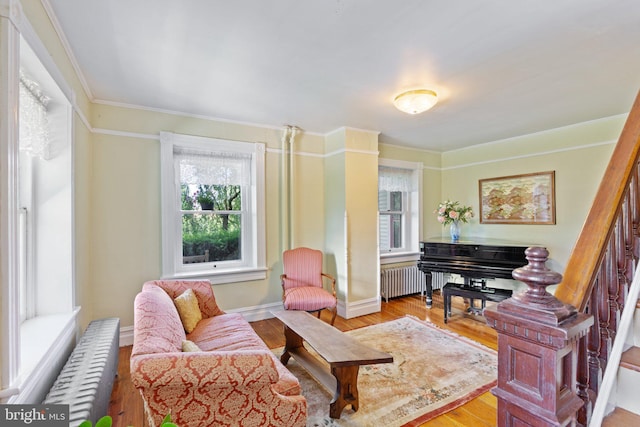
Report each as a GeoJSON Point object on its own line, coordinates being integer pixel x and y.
{"type": "Point", "coordinates": [83, 160]}
{"type": "Point", "coordinates": [578, 154]}
{"type": "Point", "coordinates": [308, 206]}
{"type": "Point", "coordinates": [325, 188]}
{"type": "Point", "coordinates": [335, 260]}
{"type": "Point", "coordinates": [362, 208]}
{"type": "Point", "coordinates": [126, 227]}
{"type": "Point", "coordinates": [362, 225]}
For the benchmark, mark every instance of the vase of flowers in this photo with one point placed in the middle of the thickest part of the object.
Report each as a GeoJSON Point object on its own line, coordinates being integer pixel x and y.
{"type": "Point", "coordinates": [453, 213]}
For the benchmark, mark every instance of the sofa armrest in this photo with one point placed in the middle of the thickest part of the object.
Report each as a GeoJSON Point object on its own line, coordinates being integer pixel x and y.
{"type": "Point", "coordinates": [215, 388]}
{"type": "Point", "coordinates": [219, 369]}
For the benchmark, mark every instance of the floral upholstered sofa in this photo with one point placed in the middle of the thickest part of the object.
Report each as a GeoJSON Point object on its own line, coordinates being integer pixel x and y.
{"type": "Point", "coordinates": [226, 375]}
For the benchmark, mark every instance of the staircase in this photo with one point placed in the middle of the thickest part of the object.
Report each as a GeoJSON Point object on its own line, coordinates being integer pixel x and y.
{"type": "Point", "coordinates": [573, 358]}
{"type": "Point", "coordinates": [623, 397]}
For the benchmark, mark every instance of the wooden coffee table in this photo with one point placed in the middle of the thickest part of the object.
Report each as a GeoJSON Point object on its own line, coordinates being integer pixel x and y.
{"type": "Point", "coordinates": [343, 354]}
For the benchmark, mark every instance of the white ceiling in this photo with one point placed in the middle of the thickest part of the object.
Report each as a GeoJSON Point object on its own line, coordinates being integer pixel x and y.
{"type": "Point", "coordinates": [502, 68]}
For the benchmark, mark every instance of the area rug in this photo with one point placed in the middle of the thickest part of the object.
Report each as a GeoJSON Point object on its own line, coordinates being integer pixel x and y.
{"type": "Point", "coordinates": [433, 371]}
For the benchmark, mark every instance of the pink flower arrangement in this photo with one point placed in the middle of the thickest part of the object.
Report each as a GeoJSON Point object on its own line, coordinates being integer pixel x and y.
{"type": "Point", "coordinates": [449, 211]}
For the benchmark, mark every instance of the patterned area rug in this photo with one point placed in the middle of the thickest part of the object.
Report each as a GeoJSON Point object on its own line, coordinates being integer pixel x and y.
{"type": "Point", "coordinates": [434, 371]}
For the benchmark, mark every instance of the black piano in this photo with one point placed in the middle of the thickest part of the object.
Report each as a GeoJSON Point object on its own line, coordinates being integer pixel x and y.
{"type": "Point", "coordinates": [474, 260]}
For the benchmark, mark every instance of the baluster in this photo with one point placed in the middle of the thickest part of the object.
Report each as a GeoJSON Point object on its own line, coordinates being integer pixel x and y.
{"type": "Point", "coordinates": [602, 302]}
{"type": "Point", "coordinates": [583, 391]}
{"type": "Point", "coordinates": [635, 217]}
{"type": "Point", "coordinates": [629, 233]}
{"type": "Point", "coordinates": [593, 342]}
{"type": "Point", "coordinates": [616, 287]}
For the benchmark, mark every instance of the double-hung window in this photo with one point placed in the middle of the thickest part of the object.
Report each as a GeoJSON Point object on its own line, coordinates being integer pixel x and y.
{"type": "Point", "coordinates": [399, 207]}
{"type": "Point", "coordinates": [213, 208]}
{"type": "Point", "coordinates": [37, 169]}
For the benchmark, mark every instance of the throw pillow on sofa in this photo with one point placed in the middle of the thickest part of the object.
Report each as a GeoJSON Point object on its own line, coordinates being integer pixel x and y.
{"type": "Point", "coordinates": [188, 309]}
{"type": "Point", "coordinates": [189, 346]}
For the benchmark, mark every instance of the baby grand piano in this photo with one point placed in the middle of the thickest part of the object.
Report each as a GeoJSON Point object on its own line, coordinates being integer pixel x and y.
{"type": "Point", "coordinates": [474, 260]}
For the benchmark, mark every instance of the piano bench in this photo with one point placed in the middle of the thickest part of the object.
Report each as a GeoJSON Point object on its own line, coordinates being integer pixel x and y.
{"type": "Point", "coordinates": [482, 293]}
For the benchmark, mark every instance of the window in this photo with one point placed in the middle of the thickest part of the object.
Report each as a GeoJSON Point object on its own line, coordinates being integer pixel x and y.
{"type": "Point", "coordinates": [38, 312]}
{"type": "Point", "coordinates": [392, 205]}
{"type": "Point", "coordinates": [212, 208]}
{"type": "Point", "coordinates": [399, 207]}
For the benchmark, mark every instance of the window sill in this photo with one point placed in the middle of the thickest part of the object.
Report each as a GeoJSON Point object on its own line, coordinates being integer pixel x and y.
{"type": "Point", "coordinates": [396, 257]}
{"type": "Point", "coordinates": [225, 276]}
{"type": "Point", "coordinates": [45, 342]}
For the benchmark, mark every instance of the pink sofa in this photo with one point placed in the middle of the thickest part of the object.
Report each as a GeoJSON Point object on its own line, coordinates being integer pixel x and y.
{"type": "Point", "coordinates": [234, 381]}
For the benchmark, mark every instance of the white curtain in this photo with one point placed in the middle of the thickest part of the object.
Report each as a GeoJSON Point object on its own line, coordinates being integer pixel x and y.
{"type": "Point", "coordinates": [34, 123]}
{"type": "Point", "coordinates": [395, 179]}
{"type": "Point", "coordinates": [213, 168]}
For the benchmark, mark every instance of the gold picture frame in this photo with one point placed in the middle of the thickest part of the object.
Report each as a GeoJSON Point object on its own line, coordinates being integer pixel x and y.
{"type": "Point", "coordinates": [518, 199]}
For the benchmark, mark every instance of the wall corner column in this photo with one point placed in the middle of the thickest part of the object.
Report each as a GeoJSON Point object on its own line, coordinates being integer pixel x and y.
{"type": "Point", "coordinates": [351, 207]}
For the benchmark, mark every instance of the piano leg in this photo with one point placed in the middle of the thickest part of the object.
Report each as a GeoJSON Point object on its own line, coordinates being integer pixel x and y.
{"type": "Point", "coordinates": [429, 297]}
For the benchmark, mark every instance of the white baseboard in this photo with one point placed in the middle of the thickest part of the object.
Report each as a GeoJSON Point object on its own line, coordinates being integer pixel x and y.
{"type": "Point", "coordinates": [126, 336]}
{"type": "Point", "coordinates": [258, 312]}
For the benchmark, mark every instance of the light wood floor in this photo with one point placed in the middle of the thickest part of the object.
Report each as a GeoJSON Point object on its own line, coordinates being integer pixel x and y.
{"type": "Point", "coordinates": [126, 404]}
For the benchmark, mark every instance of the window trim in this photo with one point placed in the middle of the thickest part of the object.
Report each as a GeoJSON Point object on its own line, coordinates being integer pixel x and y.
{"type": "Point", "coordinates": [255, 243]}
{"type": "Point", "coordinates": [411, 251]}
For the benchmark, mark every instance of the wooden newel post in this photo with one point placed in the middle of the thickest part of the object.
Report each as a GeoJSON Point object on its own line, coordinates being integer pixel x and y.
{"type": "Point", "coordinates": [537, 350]}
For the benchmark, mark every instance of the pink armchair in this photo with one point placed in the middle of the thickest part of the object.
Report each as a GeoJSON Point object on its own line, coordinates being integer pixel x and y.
{"type": "Point", "coordinates": [302, 282]}
{"type": "Point", "coordinates": [234, 380]}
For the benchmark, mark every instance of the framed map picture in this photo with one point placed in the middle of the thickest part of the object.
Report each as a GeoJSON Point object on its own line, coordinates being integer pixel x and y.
{"type": "Point", "coordinates": [518, 199]}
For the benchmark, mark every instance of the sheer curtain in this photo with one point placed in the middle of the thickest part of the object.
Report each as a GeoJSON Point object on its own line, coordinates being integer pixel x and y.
{"type": "Point", "coordinates": [213, 168]}
{"type": "Point", "coordinates": [395, 179]}
{"type": "Point", "coordinates": [34, 122]}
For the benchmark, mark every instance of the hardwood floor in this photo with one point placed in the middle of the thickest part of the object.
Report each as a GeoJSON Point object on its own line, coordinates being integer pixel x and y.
{"type": "Point", "coordinates": [126, 404]}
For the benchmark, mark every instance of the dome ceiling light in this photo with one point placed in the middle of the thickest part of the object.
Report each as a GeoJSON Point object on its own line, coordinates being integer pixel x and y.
{"type": "Point", "coordinates": [415, 101]}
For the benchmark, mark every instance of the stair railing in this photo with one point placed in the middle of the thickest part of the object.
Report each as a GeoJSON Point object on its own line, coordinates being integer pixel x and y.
{"type": "Point", "coordinates": [596, 284]}
{"type": "Point", "coordinates": [611, 371]}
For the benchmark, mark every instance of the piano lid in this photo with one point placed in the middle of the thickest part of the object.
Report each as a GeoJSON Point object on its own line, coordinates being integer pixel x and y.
{"type": "Point", "coordinates": [477, 241]}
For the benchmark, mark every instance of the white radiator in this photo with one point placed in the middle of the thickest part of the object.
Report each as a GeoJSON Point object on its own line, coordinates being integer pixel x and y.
{"type": "Point", "coordinates": [86, 380]}
{"type": "Point", "coordinates": [399, 281]}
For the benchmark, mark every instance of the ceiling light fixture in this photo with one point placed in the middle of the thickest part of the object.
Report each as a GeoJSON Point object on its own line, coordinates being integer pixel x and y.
{"type": "Point", "coordinates": [415, 101]}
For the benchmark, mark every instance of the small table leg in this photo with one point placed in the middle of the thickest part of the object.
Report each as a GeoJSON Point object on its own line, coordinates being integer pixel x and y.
{"type": "Point", "coordinates": [346, 389]}
{"type": "Point", "coordinates": [292, 340]}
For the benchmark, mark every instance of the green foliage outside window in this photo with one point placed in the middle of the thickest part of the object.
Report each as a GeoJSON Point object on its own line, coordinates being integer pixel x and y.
{"type": "Point", "coordinates": [219, 229]}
